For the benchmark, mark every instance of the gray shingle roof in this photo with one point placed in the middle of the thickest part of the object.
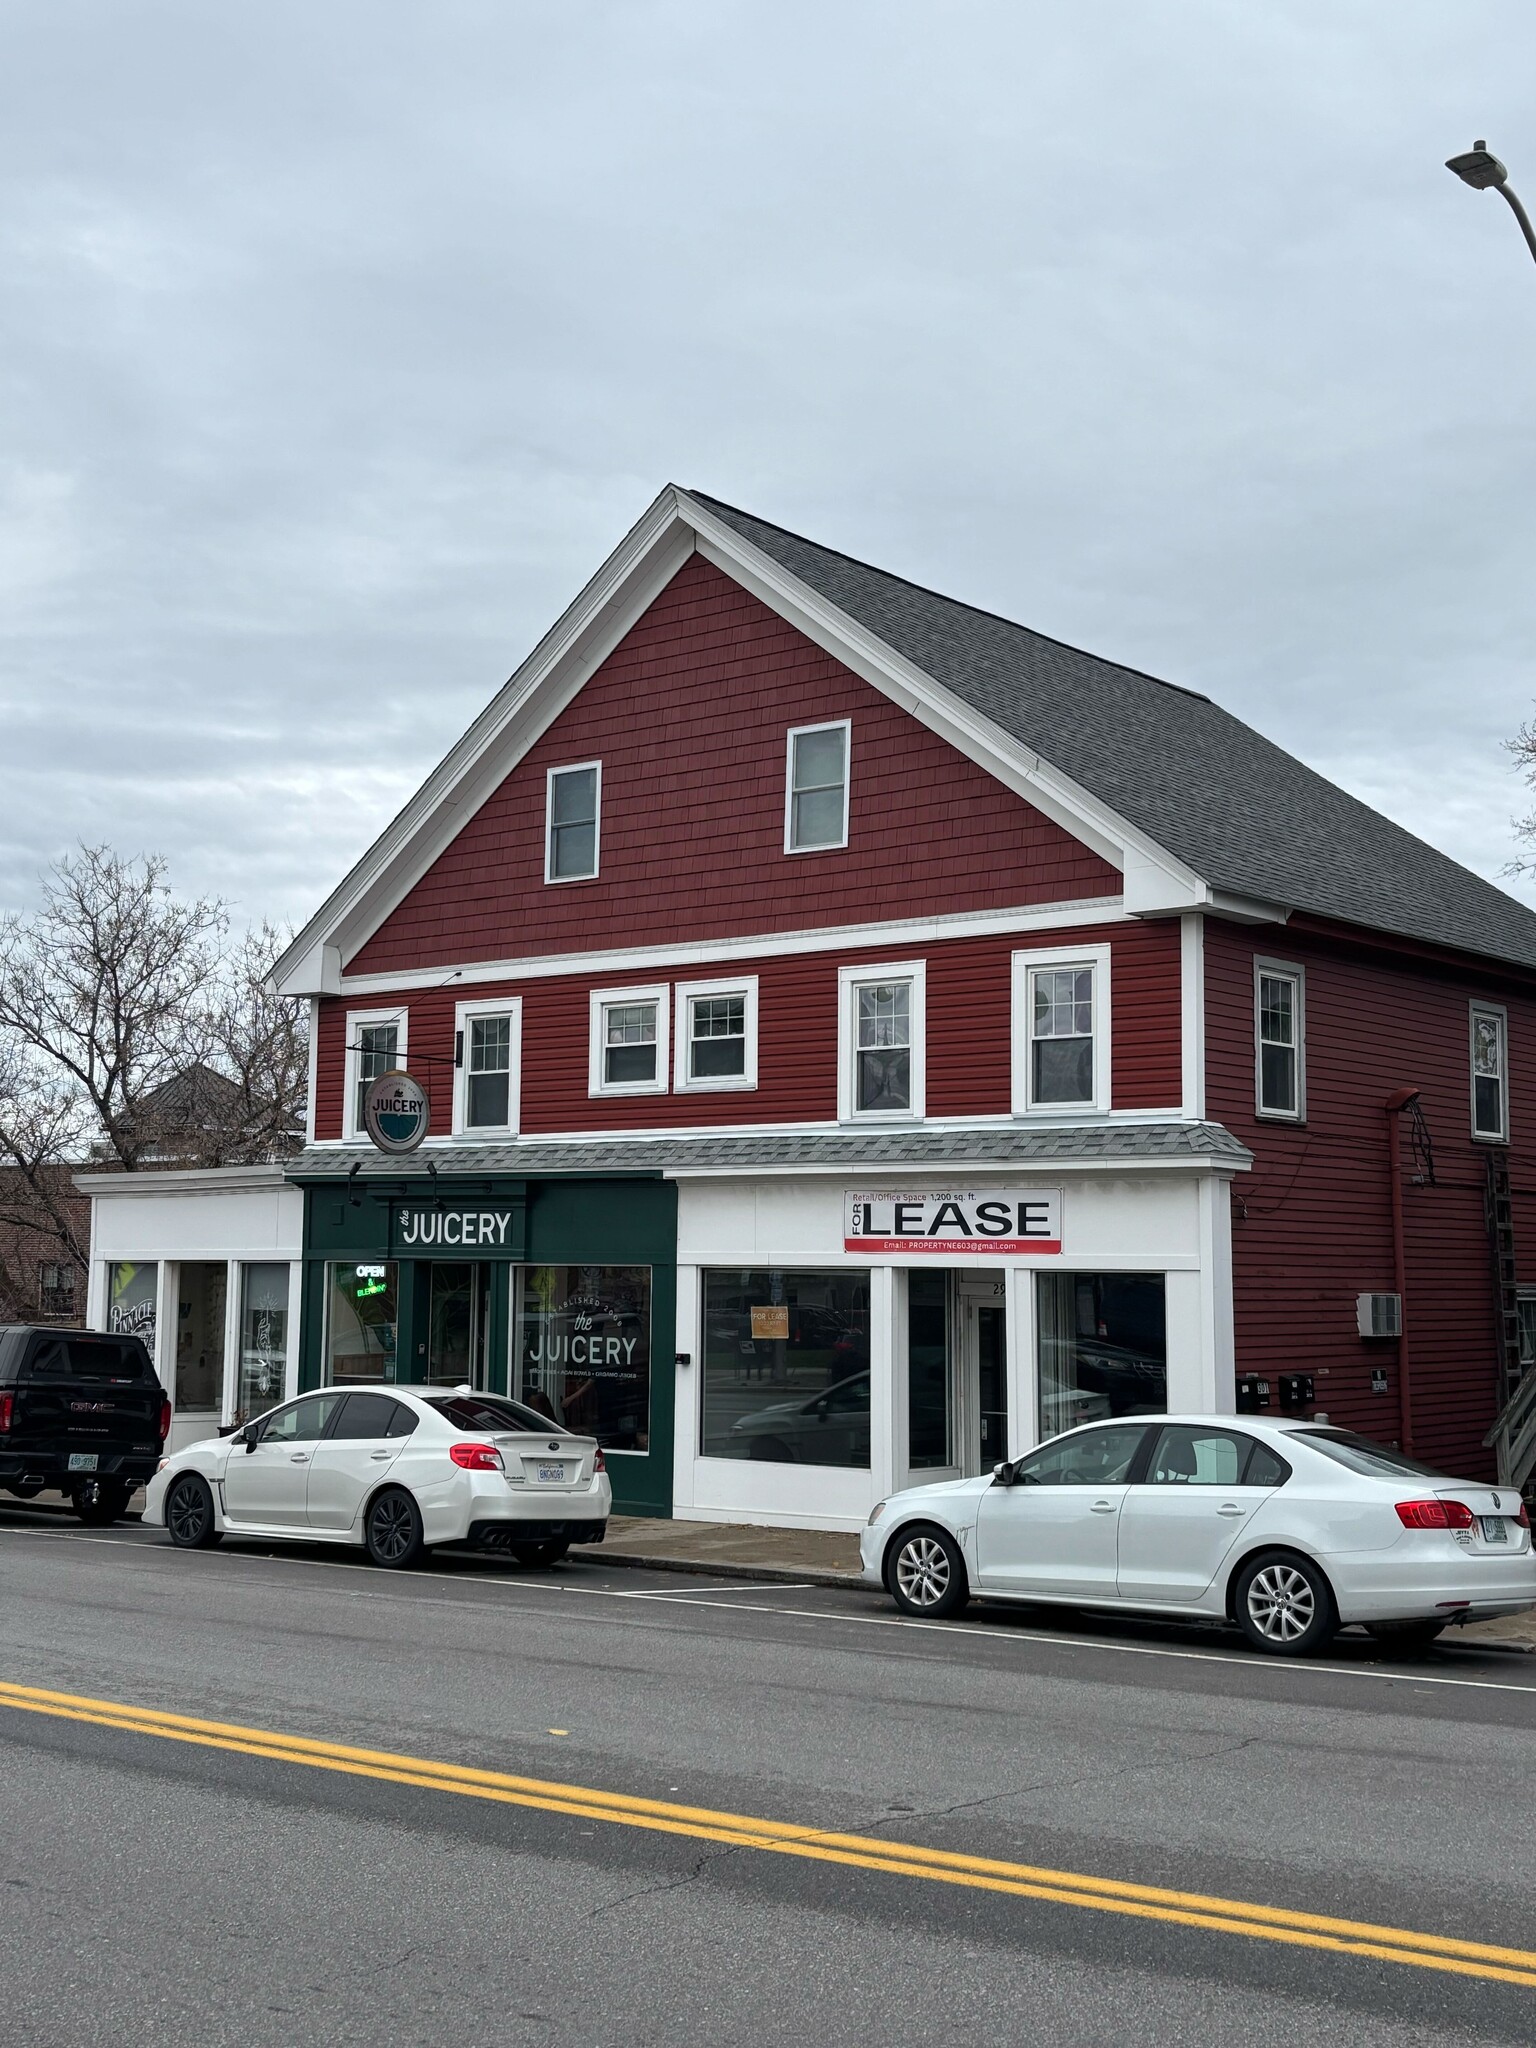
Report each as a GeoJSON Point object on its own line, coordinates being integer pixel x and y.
{"type": "Point", "coordinates": [1077, 1144]}
{"type": "Point", "coordinates": [1242, 813]}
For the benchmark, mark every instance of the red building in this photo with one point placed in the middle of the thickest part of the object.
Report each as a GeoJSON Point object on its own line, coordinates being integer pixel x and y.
{"type": "Point", "coordinates": [925, 1034]}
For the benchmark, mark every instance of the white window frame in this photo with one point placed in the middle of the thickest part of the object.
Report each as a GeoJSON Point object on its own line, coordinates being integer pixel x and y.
{"type": "Point", "coordinates": [849, 981]}
{"type": "Point", "coordinates": [601, 999]}
{"type": "Point", "coordinates": [572, 768]}
{"type": "Point", "coordinates": [1496, 1010]}
{"type": "Point", "coordinates": [1043, 960]}
{"type": "Point", "coordinates": [686, 992]}
{"type": "Point", "coordinates": [510, 1007]}
{"type": "Point", "coordinates": [1280, 970]}
{"type": "Point", "coordinates": [356, 1021]}
{"type": "Point", "coordinates": [845, 726]}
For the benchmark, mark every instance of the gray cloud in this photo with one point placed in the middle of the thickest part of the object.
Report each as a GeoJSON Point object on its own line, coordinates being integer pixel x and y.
{"type": "Point", "coordinates": [338, 345]}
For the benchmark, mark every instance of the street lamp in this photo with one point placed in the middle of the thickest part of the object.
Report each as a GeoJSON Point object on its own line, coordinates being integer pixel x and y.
{"type": "Point", "coordinates": [1480, 170]}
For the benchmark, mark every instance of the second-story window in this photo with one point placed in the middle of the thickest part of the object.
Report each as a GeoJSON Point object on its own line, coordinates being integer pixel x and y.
{"type": "Point", "coordinates": [486, 1056]}
{"type": "Point", "coordinates": [1490, 1085]}
{"type": "Point", "coordinates": [572, 805]}
{"type": "Point", "coordinates": [628, 1042]}
{"type": "Point", "coordinates": [816, 796]}
{"type": "Point", "coordinates": [377, 1050]}
{"type": "Point", "coordinates": [717, 1034]}
{"type": "Point", "coordinates": [883, 1048]}
{"type": "Point", "coordinates": [1061, 1030]}
{"type": "Point", "coordinates": [1277, 998]}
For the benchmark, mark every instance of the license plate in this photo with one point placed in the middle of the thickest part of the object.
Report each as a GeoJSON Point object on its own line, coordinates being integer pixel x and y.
{"type": "Point", "coordinates": [551, 1475]}
{"type": "Point", "coordinates": [1495, 1529]}
{"type": "Point", "coordinates": [82, 1461]}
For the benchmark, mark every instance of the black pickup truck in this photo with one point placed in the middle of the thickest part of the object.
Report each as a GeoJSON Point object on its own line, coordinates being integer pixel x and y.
{"type": "Point", "coordinates": [79, 1411]}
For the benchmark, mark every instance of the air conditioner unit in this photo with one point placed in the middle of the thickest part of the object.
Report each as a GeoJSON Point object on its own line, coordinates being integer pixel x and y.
{"type": "Point", "coordinates": [1379, 1315]}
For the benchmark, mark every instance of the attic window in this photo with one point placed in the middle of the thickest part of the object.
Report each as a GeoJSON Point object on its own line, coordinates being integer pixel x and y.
{"type": "Point", "coordinates": [816, 788]}
{"type": "Point", "coordinates": [572, 803]}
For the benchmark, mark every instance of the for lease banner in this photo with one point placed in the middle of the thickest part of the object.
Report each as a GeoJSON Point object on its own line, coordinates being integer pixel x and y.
{"type": "Point", "coordinates": [994, 1220]}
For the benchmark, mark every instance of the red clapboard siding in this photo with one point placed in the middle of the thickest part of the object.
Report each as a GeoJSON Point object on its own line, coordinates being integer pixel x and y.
{"type": "Point", "coordinates": [1312, 1222]}
{"type": "Point", "coordinates": [688, 716]}
{"type": "Point", "coordinates": [968, 1036]}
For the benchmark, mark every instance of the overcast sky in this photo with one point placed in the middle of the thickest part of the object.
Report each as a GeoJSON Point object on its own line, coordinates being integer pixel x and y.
{"type": "Point", "coordinates": [340, 342]}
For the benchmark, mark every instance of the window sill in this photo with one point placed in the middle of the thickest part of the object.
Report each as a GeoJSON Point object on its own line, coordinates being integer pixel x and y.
{"type": "Point", "coordinates": [1489, 1138]}
{"type": "Point", "coordinates": [622, 1092]}
{"type": "Point", "coordinates": [1279, 1116]}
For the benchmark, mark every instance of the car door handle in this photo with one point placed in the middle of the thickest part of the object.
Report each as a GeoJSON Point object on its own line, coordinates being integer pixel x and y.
{"type": "Point", "coordinates": [299, 1457]}
{"type": "Point", "coordinates": [1231, 1508]}
{"type": "Point", "coordinates": [1103, 1507]}
{"type": "Point", "coordinates": [381, 1454]}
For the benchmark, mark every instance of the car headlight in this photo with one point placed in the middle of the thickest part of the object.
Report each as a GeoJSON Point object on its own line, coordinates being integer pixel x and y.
{"type": "Point", "coordinates": [876, 1512]}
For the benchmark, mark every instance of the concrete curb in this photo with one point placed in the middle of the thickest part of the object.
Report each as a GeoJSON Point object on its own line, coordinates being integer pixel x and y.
{"type": "Point", "coordinates": [714, 1568]}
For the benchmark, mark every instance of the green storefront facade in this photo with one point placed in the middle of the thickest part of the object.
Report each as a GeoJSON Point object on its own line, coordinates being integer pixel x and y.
{"type": "Point", "coordinates": [561, 1291]}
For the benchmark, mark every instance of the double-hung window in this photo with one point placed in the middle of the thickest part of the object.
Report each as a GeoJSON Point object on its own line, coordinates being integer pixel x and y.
{"type": "Point", "coordinates": [628, 1045]}
{"type": "Point", "coordinates": [486, 1045]}
{"type": "Point", "coordinates": [717, 1034]}
{"type": "Point", "coordinates": [1490, 1071]}
{"type": "Point", "coordinates": [1061, 1031]}
{"type": "Point", "coordinates": [816, 787]}
{"type": "Point", "coordinates": [1279, 1014]}
{"type": "Point", "coordinates": [572, 806]}
{"type": "Point", "coordinates": [883, 1029]}
{"type": "Point", "coordinates": [375, 1045]}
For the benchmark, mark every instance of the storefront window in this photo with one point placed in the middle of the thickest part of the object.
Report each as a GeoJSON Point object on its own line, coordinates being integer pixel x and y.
{"type": "Point", "coordinates": [928, 1418]}
{"type": "Point", "coordinates": [451, 1323]}
{"type": "Point", "coordinates": [263, 1340]}
{"type": "Point", "coordinates": [131, 1295]}
{"type": "Point", "coordinates": [585, 1350]}
{"type": "Point", "coordinates": [786, 1367]}
{"type": "Point", "coordinates": [1103, 1347]}
{"type": "Point", "coordinates": [361, 1321]}
{"type": "Point", "coordinates": [202, 1290]}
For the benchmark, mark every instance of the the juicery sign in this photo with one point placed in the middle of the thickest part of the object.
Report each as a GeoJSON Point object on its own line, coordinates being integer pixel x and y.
{"type": "Point", "coordinates": [996, 1220]}
{"type": "Point", "coordinates": [396, 1112]}
{"type": "Point", "coordinates": [432, 1229]}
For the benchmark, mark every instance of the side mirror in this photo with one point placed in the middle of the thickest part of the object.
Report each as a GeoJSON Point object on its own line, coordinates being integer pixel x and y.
{"type": "Point", "coordinates": [247, 1436]}
{"type": "Point", "coordinates": [1002, 1475]}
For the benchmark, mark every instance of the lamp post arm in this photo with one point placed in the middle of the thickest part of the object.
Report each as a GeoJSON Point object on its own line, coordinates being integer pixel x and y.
{"type": "Point", "coordinates": [1522, 216]}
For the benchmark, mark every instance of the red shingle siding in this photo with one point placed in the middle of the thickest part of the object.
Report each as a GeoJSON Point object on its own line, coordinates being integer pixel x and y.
{"type": "Point", "coordinates": [967, 1036]}
{"type": "Point", "coordinates": [1312, 1222]}
{"type": "Point", "coordinates": [688, 716]}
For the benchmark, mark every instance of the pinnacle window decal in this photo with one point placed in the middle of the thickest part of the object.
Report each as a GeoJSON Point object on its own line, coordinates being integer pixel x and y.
{"type": "Point", "coordinates": [989, 1220]}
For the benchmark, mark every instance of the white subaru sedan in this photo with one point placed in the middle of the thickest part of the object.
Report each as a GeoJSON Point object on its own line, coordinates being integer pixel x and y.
{"type": "Point", "coordinates": [393, 1469]}
{"type": "Point", "coordinates": [1292, 1530]}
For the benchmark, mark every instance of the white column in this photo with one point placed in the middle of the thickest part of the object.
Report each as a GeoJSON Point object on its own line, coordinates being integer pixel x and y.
{"type": "Point", "coordinates": [167, 1302]}
{"type": "Point", "coordinates": [1023, 1373]}
{"type": "Point", "coordinates": [1218, 1351]}
{"type": "Point", "coordinates": [901, 1363]}
{"type": "Point", "coordinates": [295, 1306]}
{"type": "Point", "coordinates": [232, 1279]}
{"type": "Point", "coordinates": [882, 1382]}
{"type": "Point", "coordinates": [1192, 1013]}
{"type": "Point", "coordinates": [688, 1380]}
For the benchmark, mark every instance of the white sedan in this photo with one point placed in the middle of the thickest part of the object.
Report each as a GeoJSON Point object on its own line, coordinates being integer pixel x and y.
{"type": "Point", "coordinates": [394, 1469]}
{"type": "Point", "coordinates": [1292, 1530]}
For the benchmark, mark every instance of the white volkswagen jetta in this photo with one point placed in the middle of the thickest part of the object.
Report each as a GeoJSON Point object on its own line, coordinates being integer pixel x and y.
{"type": "Point", "coordinates": [396, 1469]}
{"type": "Point", "coordinates": [1292, 1530]}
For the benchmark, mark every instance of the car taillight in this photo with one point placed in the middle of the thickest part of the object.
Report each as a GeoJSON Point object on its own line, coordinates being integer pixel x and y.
{"type": "Point", "coordinates": [6, 1400]}
{"type": "Point", "coordinates": [1523, 1518]}
{"type": "Point", "coordinates": [165, 1417]}
{"type": "Point", "coordinates": [599, 1462]}
{"type": "Point", "coordinates": [476, 1457]}
{"type": "Point", "coordinates": [1434, 1514]}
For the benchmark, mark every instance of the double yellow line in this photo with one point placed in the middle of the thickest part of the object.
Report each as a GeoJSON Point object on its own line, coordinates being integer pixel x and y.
{"type": "Point", "coordinates": [859, 1852]}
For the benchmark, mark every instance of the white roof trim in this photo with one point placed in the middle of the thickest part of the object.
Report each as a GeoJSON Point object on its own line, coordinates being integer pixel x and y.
{"type": "Point", "coordinates": [644, 562]}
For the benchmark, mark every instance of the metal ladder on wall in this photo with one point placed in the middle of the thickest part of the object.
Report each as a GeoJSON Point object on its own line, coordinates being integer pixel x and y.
{"type": "Point", "coordinates": [1513, 1435]}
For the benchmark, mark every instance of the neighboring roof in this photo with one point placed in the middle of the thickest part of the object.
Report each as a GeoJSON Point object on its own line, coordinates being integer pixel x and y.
{"type": "Point", "coordinates": [1246, 816]}
{"type": "Point", "coordinates": [844, 1151]}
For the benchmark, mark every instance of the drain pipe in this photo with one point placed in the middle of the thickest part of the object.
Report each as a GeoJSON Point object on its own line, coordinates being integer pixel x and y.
{"type": "Point", "coordinates": [1395, 1104]}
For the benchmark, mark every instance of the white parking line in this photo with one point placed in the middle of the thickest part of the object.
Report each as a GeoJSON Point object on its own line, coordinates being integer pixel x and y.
{"type": "Point", "coordinates": [1299, 1668]}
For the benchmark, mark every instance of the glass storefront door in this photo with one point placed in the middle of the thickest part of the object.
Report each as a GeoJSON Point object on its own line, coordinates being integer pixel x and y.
{"type": "Point", "coordinates": [456, 1323]}
{"type": "Point", "coordinates": [202, 1292]}
{"type": "Point", "coordinates": [263, 1340]}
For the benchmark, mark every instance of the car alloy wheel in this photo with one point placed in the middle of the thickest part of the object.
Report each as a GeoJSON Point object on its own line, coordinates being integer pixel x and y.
{"type": "Point", "coordinates": [927, 1574]}
{"type": "Point", "coordinates": [394, 1530]}
{"type": "Point", "coordinates": [1284, 1605]}
{"type": "Point", "coordinates": [189, 1514]}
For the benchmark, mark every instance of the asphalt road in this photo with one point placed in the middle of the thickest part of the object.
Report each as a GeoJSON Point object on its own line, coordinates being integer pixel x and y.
{"type": "Point", "coordinates": [201, 1887]}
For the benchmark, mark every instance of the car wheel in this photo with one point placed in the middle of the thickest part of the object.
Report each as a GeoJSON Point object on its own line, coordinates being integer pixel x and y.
{"type": "Point", "coordinates": [548, 1552]}
{"type": "Point", "coordinates": [189, 1513]}
{"type": "Point", "coordinates": [1283, 1604]}
{"type": "Point", "coordinates": [100, 1501]}
{"type": "Point", "coordinates": [925, 1572]}
{"type": "Point", "coordinates": [392, 1530]}
{"type": "Point", "coordinates": [1405, 1635]}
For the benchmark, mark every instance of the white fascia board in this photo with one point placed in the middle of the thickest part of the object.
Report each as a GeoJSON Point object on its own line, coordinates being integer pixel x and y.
{"type": "Point", "coordinates": [195, 1180]}
{"type": "Point", "coordinates": [644, 562]}
{"type": "Point", "coordinates": [1005, 758]}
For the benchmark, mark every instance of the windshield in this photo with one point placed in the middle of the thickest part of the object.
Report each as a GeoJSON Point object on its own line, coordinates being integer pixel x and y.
{"type": "Point", "coordinates": [480, 1413]}
{"type": "Point", "coordinates": [1378, 1461]}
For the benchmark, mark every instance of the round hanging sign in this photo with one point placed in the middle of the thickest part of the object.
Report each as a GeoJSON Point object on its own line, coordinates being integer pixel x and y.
{"type": "Point", "coordinates": [396, 1112]}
